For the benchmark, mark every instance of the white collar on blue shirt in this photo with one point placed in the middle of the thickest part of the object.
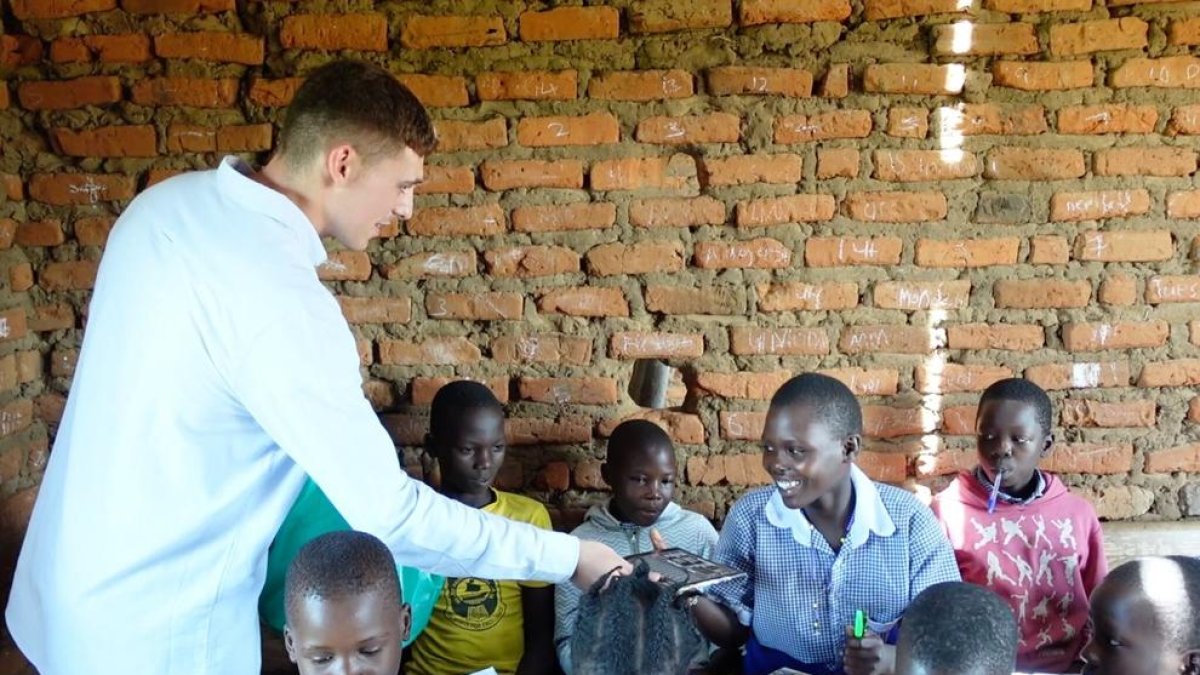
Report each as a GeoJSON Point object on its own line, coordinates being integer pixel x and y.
{"type": "Point", "coordinates": [870, 515]}
{"type": "Point", "coordinates": [236, 182]}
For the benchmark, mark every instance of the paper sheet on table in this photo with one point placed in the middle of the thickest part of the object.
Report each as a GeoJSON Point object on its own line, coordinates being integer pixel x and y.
{"type": "Point", "coordinates": [485, 671]}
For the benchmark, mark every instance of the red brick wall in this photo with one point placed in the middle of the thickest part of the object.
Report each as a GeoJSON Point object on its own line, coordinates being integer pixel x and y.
{"type": "Point", "coordinates": [920, 196]}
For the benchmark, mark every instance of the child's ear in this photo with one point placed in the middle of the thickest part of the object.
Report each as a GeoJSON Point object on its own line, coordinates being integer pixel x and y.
{"type": "Point", "coordinates": [851, 446]}
{"type": "Point", "coordinates": [605, 474]}
{"type": "Point", "coordinates": [1191, 662]}
{"type": "Point", "coordinates": [1049, 444]}
{"type": "Point", "coordinates": [289, 643]}
{"type": "Point", "coordinates": [405, 622]}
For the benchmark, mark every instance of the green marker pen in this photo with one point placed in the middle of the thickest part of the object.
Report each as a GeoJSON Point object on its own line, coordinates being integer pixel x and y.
{"type": "Point", "coordinates": [860, 624]}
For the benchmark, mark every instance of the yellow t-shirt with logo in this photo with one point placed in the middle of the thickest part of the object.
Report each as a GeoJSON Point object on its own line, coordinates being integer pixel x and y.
{"type": "Point", "coordinates": [478, 623]}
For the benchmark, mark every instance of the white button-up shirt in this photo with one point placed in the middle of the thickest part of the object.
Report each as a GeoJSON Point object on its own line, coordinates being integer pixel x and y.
{"type": "Point", "coordinates": [216, 371]}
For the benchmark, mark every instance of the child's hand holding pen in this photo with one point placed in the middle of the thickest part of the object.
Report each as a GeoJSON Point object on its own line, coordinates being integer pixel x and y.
{"type": "Point", "coordinates": [866, 652]}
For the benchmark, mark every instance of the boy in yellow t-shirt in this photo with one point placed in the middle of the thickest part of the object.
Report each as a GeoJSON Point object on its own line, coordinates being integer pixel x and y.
{"type": "Point", "coordinates": [478, 623]}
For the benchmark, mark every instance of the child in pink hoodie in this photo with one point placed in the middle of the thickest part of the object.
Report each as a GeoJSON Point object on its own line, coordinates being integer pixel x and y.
{"type": "Point", "coordinates": [1018, 531]}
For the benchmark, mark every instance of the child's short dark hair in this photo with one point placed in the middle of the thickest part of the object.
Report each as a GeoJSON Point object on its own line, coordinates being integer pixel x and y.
{"type": "Point", "coordinates": [1023, 391]}
{"type": "Point", "coordinates": [945, 610]}
{"type": "Point", "coordinates": [632, 434]}
{"type": "Point", "coordinates": [341, 564]}
{"type": "Point", "coordinates": [453, 399]}
{"type": "Point", "coordinates": [632, 627]}
{"type": "Point", "coordinates": [1178, 608]}
{"type": "Point", "coordinates": [837, 404]}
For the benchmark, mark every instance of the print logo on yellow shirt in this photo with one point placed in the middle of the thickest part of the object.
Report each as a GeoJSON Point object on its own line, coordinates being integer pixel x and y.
{"type": "Point", "coordinates": [475, 604]}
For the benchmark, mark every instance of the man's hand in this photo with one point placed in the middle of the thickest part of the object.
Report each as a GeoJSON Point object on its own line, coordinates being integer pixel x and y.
{"type": "Point", "coordinates": [868, 656]}
{"type": "Point", "coordinates": [595, 561]}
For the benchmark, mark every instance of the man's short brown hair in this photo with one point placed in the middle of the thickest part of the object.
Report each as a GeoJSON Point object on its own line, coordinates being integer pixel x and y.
{"type": "Point", "coordinates": [357, 103]}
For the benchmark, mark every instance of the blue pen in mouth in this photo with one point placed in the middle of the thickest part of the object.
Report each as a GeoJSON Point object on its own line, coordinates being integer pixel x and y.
{"type": "Point", "coordinates": [995, 492]}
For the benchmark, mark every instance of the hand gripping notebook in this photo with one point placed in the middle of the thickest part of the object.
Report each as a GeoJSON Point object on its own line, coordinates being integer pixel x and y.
{"type": "Point", "coordinates": [688, 571]}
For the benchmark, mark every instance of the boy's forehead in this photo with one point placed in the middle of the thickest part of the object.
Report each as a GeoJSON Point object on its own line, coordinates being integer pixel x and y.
{"type": "Point", "coordinates": [642, 452]}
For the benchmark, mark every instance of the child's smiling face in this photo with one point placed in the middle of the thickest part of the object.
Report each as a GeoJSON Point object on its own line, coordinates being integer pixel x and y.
{"type": "Point", "coordinates": [803, 455]}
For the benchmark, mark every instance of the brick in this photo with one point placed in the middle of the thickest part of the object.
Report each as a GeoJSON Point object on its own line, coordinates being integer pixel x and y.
{"type": "Point", "coordinates": [1049, 250]}
{"type": "Point", "coordinates": [904, 122]}
{"type": "Point", "coordinates": [571, 23]}
{"type": "Point", "coordinates": [1072, 39]}
{"type": "Point", "coordinates": [1172, 373]}
{"type": "Point", "coordinates": [478, 221]}
{"type": "Point", "coordinates": [14, 325]}
{"type": "Point", "coordinates": [536, 85]}
{"type": "Point", "coordinates": [133, 48]}
{"type": "Point", "coordinates": [718, 301]}
{"type": "Point", "coordinates": [677, 212]}
{"type": "Point", "coordinates": [8, 232]}
{"type": "Point", "coordinates": [947, 461]}
{"type": "Point", "coordinates": [648, 85]}
{"type": "Point", "coordinates": [639, 173]}
{"type": "Point", "coordinates": [16, 417]}
{"type": "Point", "coordinates": [1119, 290]}
{"type": "Point", "coordinates": [758, 341]}
{"type": "Point", "coordinates": [649, 257]}
{"type": "Point", "coordinates": [761, 253]}
{"type": "Point", "coordinates": [115, 141]}
{"type": "Point", "coordinates": [40, 233]}
{"type": "Point", "coordinates": [63, 189]}
{"type": "Point", "coordinates": [563, 431]}
{"type": "Point", "coordinates": [842, 251]}
{"type": "Point", "coordinates": [792, 296]}
{"type": "Point", "coordinates": [877, 10]}
{"type": "Point", "coordinates": [890, 340]}
{"type": "Point", "coordinates": [20, 277]}
{"type": "Point", "coordinates": [1161, 162]}
{"type": "Point", "coordinates": [822, 126]}
{"type": "Point", "coordinates": [177, 6]}
{"type": "Point", "coordinates": [12, 186]}
{"type": "Point", "coordinates": [1124, 246]}
{"type": "Point", "coordinates": [433, 351]}
{"type": "Point", "coordinates": [908, 166]}
{"type": "Point", "coordinates": [191, 138]}
{"type": "Point", "coordinates": [437, 91]}
{"type": "Point", "coordinates": [1034, 6]}
{"type": "Point", "coordinates": [1098, 205]}
{"type": "Point", "coordinates": [531, 261]}
{"type": "Point", "coordinates": [455, 180]}
{"type": "Point", "coordinates": [345, 266]}
{"type": "Point", "coordinates": [211, 46]}
{"type": "Point", "coordinates": [332, 32]}
{"type": "Point", "coordinates": [67, 94]}
{"type": "Point", "coordinates": [836, 83]}
{"type": "Point", "coordinates": [564, 390]}
{"type": "Point", "coordinates": [428, 32]}
{"type": "Point", "coordinates": [1167, 72]}
{"type": "Point", "coordinates": [985, 39]}
{"type": "Point", "coordinates": [68, 276]}
{"type": "Point", "coordinates": [425, 388]}
{"type": "Point", "coordinates": [711, 128]}
{"type": "Point", "coordinates": [1172, 288]}
{"type": "Point", "coordinates": [629, 345]}
{"type": "Point", "coordinates": [922, 295]}
{"type": "Point", "coordinates": [532, 173]}
{"type": "Point", "coordinates": [1055, 376]}
{"type": "Point", "coordinates": [273, 93]}
{"type": "Point", "coordinates": [593, 129]}
{"type": "Point", "coordinates": [585, 301]}
{"type": "Point", "coordinates": [1185, 119]}
{"type": "Point", "coordinates": [26, 10]}
{"type": "Point", "coordinates": [1041, 294]}
{"type": "Point", "coordinates": [45, 318]}
{"type": "Point", "coordinates": [990, 119]}
{"type": "Point", "coordinates": [783, 210]}
{"type": "Point", "coordinates": [1194, 410]}
{"type": "Point", "coordinates": [1089, 458]}
{"type": "Point", "coordinates": [737, 470]}
{"type": "Point", "coordinates": [758, 12]}
{"type": "Point", "coordinates": [20, 50]}
{"type": "Point", "coordinates": [753, 386]}
{"type": "Point", "coordinates": [669, 16]}
{"type": "Point", "coordinates": [881, 421]}
{"type": "Point", "coordinates": [454, 136]}
{"type": "Point", "coordinates": [244, 138]}
{"type": "Point", "coordinates": [185, 91]}
{"type": "Point", "coordinates": [437, 264]}
{"type": "Point", "coordinates": [866, 381]}
{"type": "Point", "coordinates": [1184, 458]}
{"type": "Point", "coordinates": [914, 78]}
{"type": "Point", "coordinates": [1034, 164]}
{"type": "Point", "coordinates": [1038, 76]}
{"type": "Point", "coordinates": [837, 163]}
{"type": "Point", "coordinates": [543, 348]}
{"type": "Point", "coordinates": [757, 81]}
{"type": "Point", "coordinates": [1107, 119]}
{"type": "Point", "coordinates": [1005, 337]}
{"type": "Point", "coordinates": [896, 207]}
{"type": "Point", "coordinates": [375, 310]}
{"type": "Point", "coordinates": [1085, 413]}
{"type": "Point", "coordinates": [588, 216]}
{"type": "Point", "coordinates": [1091, 337]}
{"type": "Point", "coordinates": [1184, 32]}
{"type": "Point", "coordinates": [486, 306]}
{"type": "Point", "coordinates": [1183, 204]}
{"type": "Point", "coordinates": [966, 253]}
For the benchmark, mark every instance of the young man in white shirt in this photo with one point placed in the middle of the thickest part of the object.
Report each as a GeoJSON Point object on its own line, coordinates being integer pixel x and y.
{"type": "Point", "coordinates": [216, 373]}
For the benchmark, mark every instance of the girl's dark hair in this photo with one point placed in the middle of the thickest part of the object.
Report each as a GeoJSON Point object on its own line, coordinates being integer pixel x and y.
{"type": "Point", "coordinates": [630, 625]}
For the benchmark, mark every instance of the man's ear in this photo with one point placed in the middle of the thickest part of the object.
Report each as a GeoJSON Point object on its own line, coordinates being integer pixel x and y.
{"type": "Point", "coordinates": [405, 622]}
{"type": "Point", "coordinates": [1191, 662]}
{"type": "Point", "coordinates": [851, 446]}
{"type": "Point", "coordinates": [340, 163]}
{"type": "Point", "coordinates": [289, 643]}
